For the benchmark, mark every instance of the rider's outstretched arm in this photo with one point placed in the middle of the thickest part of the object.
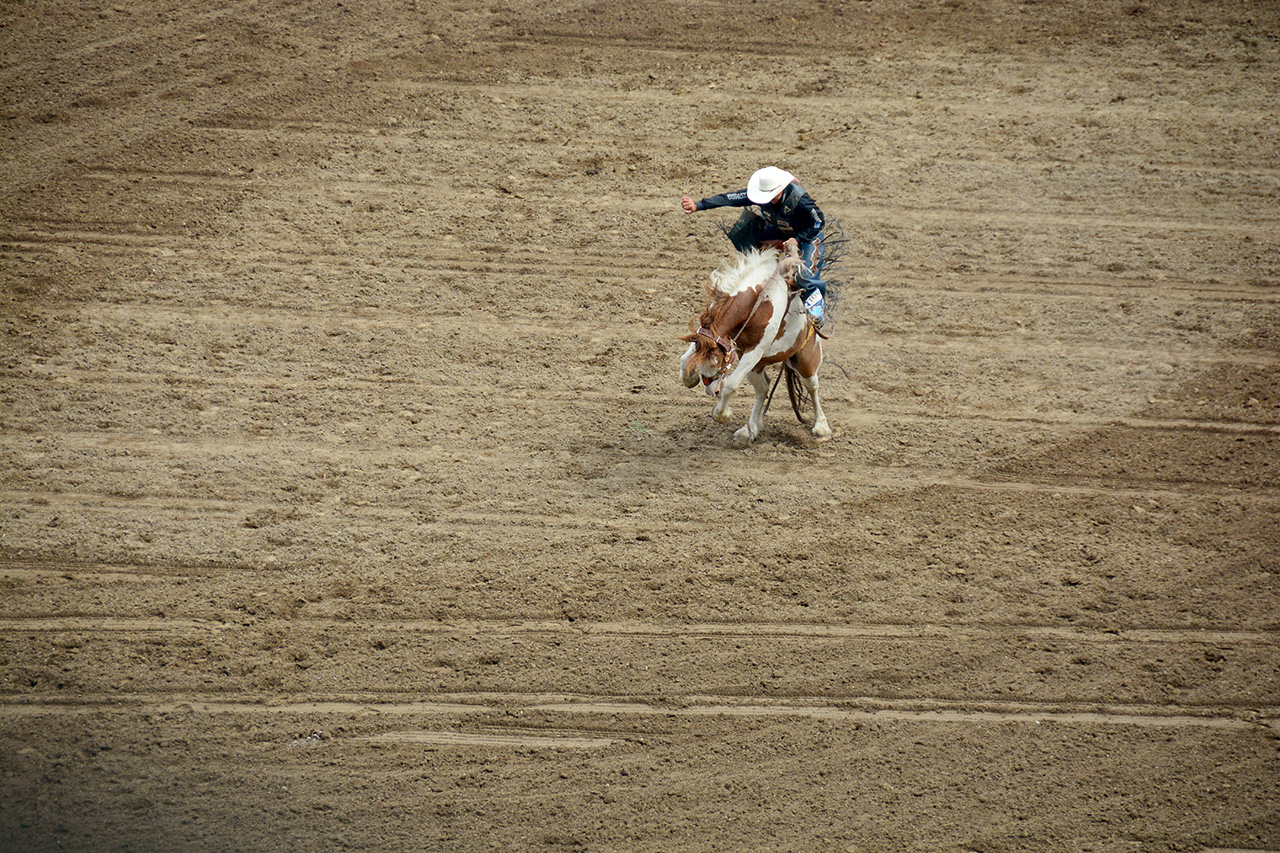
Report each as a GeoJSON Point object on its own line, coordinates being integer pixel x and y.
{"type": "Point", "coordinates": [738, 198]}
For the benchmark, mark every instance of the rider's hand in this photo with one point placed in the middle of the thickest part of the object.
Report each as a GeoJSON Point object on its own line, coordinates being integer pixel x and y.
{"type": "Point", "coordinates": [688, 204]}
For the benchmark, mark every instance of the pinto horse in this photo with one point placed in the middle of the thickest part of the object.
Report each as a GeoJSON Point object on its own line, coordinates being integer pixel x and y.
{"type": "Point", "coordinates": [751, 322]}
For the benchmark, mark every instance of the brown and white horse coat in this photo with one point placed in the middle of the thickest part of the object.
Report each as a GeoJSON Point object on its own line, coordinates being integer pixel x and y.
{"type": "Point", "coordinates": [751, 322]}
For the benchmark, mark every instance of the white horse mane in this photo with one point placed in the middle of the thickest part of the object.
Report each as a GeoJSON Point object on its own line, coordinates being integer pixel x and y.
{"type": "Point", "coordinates": [746, 269]}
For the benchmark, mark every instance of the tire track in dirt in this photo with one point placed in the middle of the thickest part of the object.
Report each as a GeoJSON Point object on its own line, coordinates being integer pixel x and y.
{"type": "Point", "coordinates": [859, 343]}
{"type": "Point", "coordinates": [121, 381]}
{"type": "Point", "coordinates": [114, 640]}
{"type": "Point", "coordinates": [539, 739]}
{"type": "Point", "coordinates": [692, 706]}
{"type": "Point", "coordinates": [878, 477]}
{"type": "Point", "coordinates": [426, 256]}
{"type": "Point", "coordinates": [685, 630]}
{"type": "Point", "coordinates": [1256, 227]}
{"type": "Point", "coordinates": [22, 570]}
{"type": "Point", "coordinates": [144, 236]}
{"type": "Point", "coordinates": [260, 128]}
{"type": "Point", "coordinates": [149, 34]}
{"type": "Point", "coordinates": [145, 314]}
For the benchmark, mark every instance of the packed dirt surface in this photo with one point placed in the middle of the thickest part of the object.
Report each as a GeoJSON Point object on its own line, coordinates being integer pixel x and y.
{"type": "Point", "coordinates": [350, 498]}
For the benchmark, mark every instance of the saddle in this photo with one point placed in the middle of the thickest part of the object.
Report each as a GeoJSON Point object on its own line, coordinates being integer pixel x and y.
{"type": "Point", "coordinates": [792, 287]}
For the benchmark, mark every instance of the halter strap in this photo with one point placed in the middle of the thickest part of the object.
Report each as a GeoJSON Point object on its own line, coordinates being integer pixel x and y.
{"type": "Point", "coordinates": [729, 347]}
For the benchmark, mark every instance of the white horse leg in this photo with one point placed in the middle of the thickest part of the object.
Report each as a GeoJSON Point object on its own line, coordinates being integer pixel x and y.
{"type": "Point", "coordinates": [725, 388]}
{"type": "Point", "coordinates": [751, 430]}
{"type": "Point", "coordinates": [820, 428]}
{"type": "Point", "coordinates": [722, 411]}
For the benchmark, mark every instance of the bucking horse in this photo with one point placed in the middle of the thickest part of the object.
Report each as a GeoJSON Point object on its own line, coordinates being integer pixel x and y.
{"type": "Point", "coordinates": [752, 321]}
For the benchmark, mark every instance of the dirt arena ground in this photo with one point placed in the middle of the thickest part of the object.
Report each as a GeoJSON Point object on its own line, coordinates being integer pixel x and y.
{"type": "Point", "coordinates": [350, 499]}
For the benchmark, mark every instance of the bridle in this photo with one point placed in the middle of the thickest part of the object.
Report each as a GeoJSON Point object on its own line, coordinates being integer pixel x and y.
{"type": "Point", "coordinates": [728, 347]}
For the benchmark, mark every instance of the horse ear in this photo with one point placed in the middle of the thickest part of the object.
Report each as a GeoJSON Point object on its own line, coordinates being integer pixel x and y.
{"type": "Point", "coordinates": [688, 339]}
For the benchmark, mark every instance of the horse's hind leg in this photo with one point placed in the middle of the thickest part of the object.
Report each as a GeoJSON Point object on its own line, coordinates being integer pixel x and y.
{"type": "Point", "coordinates": [821, 430]}
{"type": "Point", "coordinates": [751, 430]}
{"type": "Point", "coordinates": [807, 361]}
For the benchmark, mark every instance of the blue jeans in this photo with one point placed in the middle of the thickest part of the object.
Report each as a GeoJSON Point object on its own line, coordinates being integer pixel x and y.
{"type": "Point", "coordinates": [809, 276]}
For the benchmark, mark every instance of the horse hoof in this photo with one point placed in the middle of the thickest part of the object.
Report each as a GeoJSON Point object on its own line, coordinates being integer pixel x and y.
{"type": "Point", "coordinates": [741, 439]}
{"type": "Point", "coordinates": [822, 433]}
{"type": "Point", "coordinates": [723, 417]}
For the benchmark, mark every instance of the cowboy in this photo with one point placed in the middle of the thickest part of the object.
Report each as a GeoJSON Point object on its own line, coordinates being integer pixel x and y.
{"type": "Point", "coordinates": [784, 210]}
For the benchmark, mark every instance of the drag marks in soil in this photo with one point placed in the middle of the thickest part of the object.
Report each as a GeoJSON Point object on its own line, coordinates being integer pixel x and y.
{"type": "Point", "coordinates": [683, 631]}
{"type": "Point", "coordinates": [1072, 334]}
{"type": "Point", "coordinates": [473, 711]}
{"type": "Point", "coordinates": [1205, 674]}
{"type": "Point", "coordinates": [538, 739]}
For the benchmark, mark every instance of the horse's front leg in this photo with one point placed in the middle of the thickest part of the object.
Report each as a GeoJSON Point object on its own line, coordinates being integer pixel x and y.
{"type": "Point", "coordinates": [722, 411]}
{"type": "Point", "coordinates": [729, 385]}
{"type": "Point", "coordinates": [821, 430]}
{"type": "Point", "coordinates": [751, 430]}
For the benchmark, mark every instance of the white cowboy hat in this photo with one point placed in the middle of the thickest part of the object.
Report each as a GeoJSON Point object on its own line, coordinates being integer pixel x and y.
{"type": "Point", "coordinates": [766, 183]}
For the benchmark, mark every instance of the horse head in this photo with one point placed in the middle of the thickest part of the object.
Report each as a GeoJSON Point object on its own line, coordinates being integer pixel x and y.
{"type": "Point", "coordinates": [710, 356]}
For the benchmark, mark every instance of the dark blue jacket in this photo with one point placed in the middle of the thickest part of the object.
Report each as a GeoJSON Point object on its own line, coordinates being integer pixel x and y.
{"type": "Point", "coordinates": [795, 215]}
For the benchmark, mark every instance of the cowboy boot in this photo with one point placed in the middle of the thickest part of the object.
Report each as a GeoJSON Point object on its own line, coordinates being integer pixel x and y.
{"type": "Point", "coordinates": [815, 304]}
